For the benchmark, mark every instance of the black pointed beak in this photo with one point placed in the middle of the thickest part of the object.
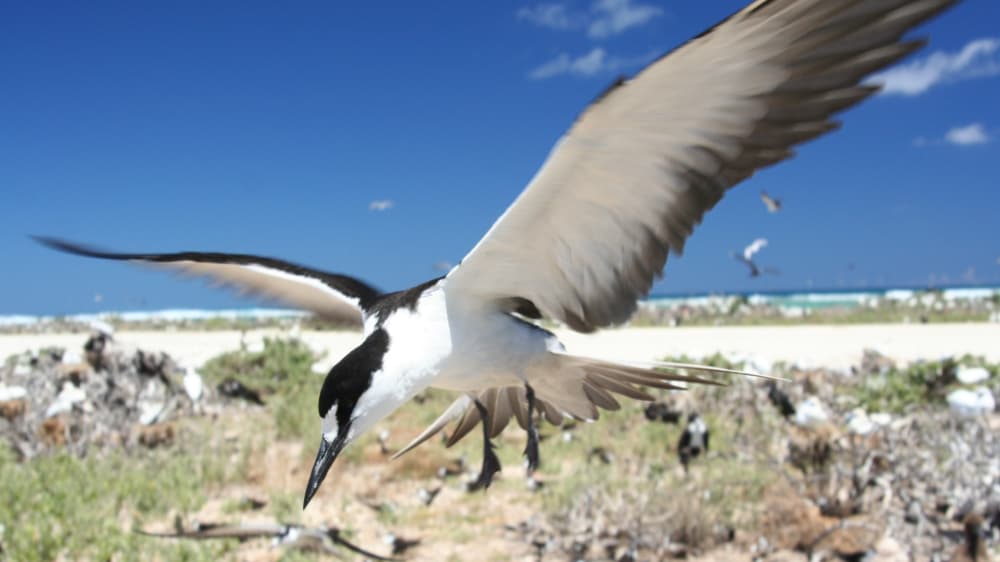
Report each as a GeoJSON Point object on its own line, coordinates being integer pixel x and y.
{"type": "Point", "coordinates": [328, 451]}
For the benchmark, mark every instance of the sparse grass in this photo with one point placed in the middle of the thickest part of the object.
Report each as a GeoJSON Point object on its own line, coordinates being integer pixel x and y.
{"type": "Point", "coordinates": [59, 505]}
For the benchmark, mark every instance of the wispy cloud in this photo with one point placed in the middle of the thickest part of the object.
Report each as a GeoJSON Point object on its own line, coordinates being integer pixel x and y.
{"type": "Point", "coordinates": [380, 205]}
{"type": "Point", "coordinates": [605, 18]}
{"type": "Point", "coordinates": [976, 60]}
{"type": "Point", "coordinates": [597, 61]}
{"type": "Point", "coordinates": [552, 16]}
{"type": "Point", "coordinates": [968, 135]}
{"type": "Point", "coordinates": [616, 16]}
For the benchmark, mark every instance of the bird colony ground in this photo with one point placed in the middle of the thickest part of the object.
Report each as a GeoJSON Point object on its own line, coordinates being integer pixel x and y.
{"type": "Point", "coordinates": [873, 461]}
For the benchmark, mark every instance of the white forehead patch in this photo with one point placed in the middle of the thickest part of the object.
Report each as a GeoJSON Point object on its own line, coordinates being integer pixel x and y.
{"type": "Point", "coordinates": [330, 425]}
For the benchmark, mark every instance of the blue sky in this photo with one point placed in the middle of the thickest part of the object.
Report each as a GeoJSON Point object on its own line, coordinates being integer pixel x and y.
{"type": "Point", "coordinates": [271, 128]}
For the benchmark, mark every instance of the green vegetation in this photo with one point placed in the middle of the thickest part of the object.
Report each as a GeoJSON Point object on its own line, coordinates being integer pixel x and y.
{"type": "Point", "coordinates": [282, 372]}
{"type": "Point", "coordinates": [60, 504]}
{"type": "Point", "coordinates": [928, 382]}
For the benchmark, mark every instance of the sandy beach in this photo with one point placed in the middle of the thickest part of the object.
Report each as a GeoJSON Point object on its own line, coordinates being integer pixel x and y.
{"type": "Point", "coordinates": [832, 346]}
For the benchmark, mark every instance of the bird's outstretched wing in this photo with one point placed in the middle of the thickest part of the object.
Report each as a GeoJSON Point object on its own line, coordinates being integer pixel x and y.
{"type": "Point", "coordinates": [641, 166]}
{"type": "Point", "coordinates": [333, 296]}
{"type": "Point", "coordinates": [754, 247]}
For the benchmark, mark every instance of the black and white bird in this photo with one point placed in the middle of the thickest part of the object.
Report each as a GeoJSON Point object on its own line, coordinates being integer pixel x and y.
{"type": "Point", "coordinates": [693, 441]}
{"type": "Point", "coordinates": [773, 205]}
{"type": "Point", "coordinates": [746, 257]}
{"type": "Point", "coordinates": [622, 190]}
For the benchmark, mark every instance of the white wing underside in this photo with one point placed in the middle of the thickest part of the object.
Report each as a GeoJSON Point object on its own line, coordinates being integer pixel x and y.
{"type": "Point", "coordinates": [753, 248]}
{"type": "Point", "coordinates": [299, 291]}
{"type": "Point", "coordinates": [640, 167]}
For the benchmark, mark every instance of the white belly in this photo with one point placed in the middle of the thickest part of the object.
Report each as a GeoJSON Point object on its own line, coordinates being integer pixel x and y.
{"type": "Point", "coordinates": [446, 345]}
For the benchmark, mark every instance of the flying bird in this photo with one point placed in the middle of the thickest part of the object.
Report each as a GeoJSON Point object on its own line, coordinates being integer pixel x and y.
{"type": "Point", "coordinates": [380, 205]}
{"type": "Point", "coordinates": [589, 235]}
{"type": "Point", "coordinates": [747, 257]}
{"type": "Point", "coordinates": [309, 539]}
{"type": "Point", "coordinates": [773, 205]}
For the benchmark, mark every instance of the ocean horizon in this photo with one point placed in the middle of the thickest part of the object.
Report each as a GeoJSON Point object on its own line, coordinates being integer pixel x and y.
{"type": "Point", "coordinates": [810, 299]}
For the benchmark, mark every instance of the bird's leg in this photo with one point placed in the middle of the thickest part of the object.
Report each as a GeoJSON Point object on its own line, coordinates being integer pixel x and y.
{"type": "Point", "coordinates": [531, 449]}
{"type": "Point", "coordinates": [491, 464]}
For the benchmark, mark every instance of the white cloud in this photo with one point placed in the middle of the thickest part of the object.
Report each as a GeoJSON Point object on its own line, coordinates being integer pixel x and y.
{"type": "Point", "coordinates": [380, 205]}
{"type": "Point", "coordinates": [606, 17]}
{"type": "Point", "coordinates": [977, 59]}
{"type": "Point", "coordinates": [553, 16]}
{"type": "Point", "coordinates": [616, 16]}
{"type": "Point", "coordinates": [597, 61]}
{"type": "Point", "coordinates": [967, 135]}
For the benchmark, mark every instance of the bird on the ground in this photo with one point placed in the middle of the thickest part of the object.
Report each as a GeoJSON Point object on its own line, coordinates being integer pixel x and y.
{"type": "Point", "coordinates": [601, 454]}
{"type": "Point", "coordinates": [973, 547]}
{"type": "Point", "coordinates": [193, 384]}
{"type": "Point", "coordinates": [427, 496]}
{"type": "Point", "coordinates": [308, 539]}
{"type": "Point", "coordinates": [780, 400]}
{"type": "Point", "coordinates": [693, 441]}
{"type": "Point", "coordinates": [383, 441]}
{"type": "Point", "coordinates": [620, 192]}
{"type": "Point", "coordinates": [773, 205]}
{"type": "Point", "coordinates": [660, 411]}
{"type": "Point", "coordinates": [453, 468]}
{"type": "Point", "coordinates": [232, 388]}
{"type": "Point", "coordinates": [398, 544]}
{"type": "Point", "coordinates": [746, 258]}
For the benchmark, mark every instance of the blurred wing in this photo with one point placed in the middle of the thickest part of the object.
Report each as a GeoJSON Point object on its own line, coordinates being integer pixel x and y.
{"type": "Point", "coordinates": [753, 248]}
{"type": "Point", "coordinates": [641, 166]}
{"type": "Point", "coordinates": [330, 295]}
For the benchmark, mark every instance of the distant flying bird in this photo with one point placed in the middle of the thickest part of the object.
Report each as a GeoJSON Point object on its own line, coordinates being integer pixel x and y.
{"type": "Point", "coordinates": [780, 400]}
{"type": "Point", "coordinates": [693, 441]}
{"type": "Point", "coordinates": [380, 205]}
{"type": "Point", "coordinates": [590, 234]}
{"type": "Point", "coordinates": [773, 205]}
{"type": "Point", "coordinates": [746, 257]}
{"type": "Point", "coordinates": [309, 539]}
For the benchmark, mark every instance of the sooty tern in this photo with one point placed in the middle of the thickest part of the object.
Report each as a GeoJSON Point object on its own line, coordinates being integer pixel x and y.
{"type": "Point", "coordinates": [773, 205]}
{"type": "Point", "coordinates": [586, 239]}
{"type": "Point", "coordinates": [693, 440]}
{"type": "Point", "coordinates": [746, 257]}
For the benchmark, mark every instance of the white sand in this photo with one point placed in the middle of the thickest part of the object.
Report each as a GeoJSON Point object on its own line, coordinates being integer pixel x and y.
{"type": "Point", "coordinates": [831, 346]}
